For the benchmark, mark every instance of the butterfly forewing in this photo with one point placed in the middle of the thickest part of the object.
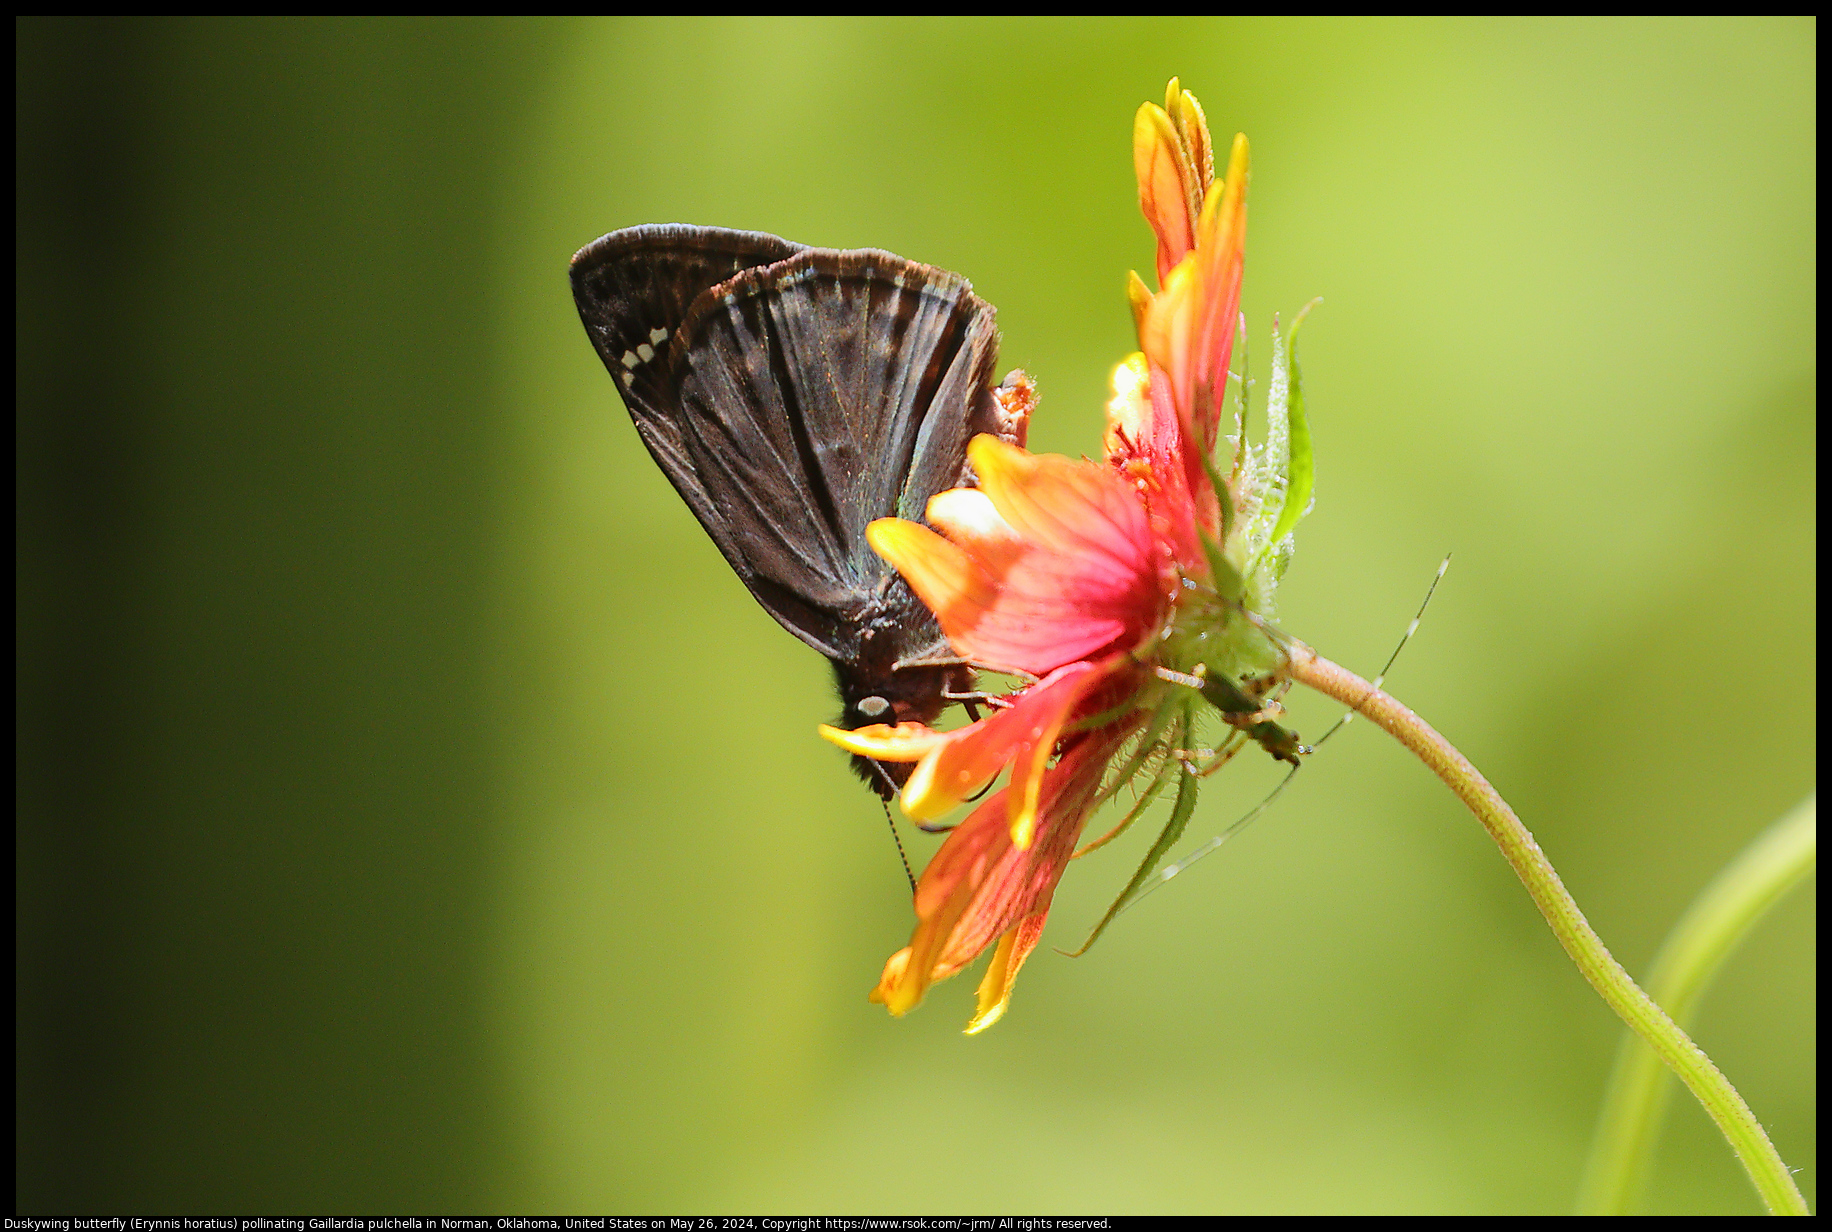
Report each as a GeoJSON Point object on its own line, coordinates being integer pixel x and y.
{"type": "Point", "coordinates": [634, 287]}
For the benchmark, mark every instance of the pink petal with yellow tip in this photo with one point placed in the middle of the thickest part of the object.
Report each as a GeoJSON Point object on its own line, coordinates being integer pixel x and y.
{"type": "Point", "coordinates": [1181, 495]}
{"type": "Point", "coordinates": [980, 885]}
{"type": "Point", "coordinates": [969, 758]}
{"type": "Point", "coordinates": [1171, 326]}
{"type": "Point", "coordinates": [967, 515]}
{"type": "Point", "coordinates": [1051, 562]}
{"type": "Point", "coordinates": [890, 990]}
{"type": "Point", "coordinates": [1043, 718]}
{"type": "Point", "coordinates": [1077, 509]}
{"type": "Point", "coordinates": [1221, 247]}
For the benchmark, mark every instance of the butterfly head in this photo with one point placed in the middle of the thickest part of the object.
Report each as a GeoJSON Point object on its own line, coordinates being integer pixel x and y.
{"type": "Point", "coordinates": [872, 694]}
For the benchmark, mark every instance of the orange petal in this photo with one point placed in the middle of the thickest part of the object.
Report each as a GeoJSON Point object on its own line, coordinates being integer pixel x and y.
{"type": "Point", "coordinates": [969, 518]}
{"type": "Point", "coordinates": [973, 756]}
{"type": "Point", "coordinates": [909, 972]}
{"type": "Point", "coordinates": [1050, 561]}
{"type": "Point", "coordinates": [1221, 244]}
{"type": "Point", "coordinates": [1171, 325]}
{"type": "Point", "coordinates": [894, 968]}
{"type": "Point", "coordinates": [1193, 127]}
{"type": "Point", "coordinates": [942, 574]}
{"type": "Point", "coordinates": [1078, 580]}
{"type": "Point", "coordinates": [1165, 177]}
{"type": "Point", "coordinates": [1139, 297]}
{"type": "Point", "coordinates": [979, 886]}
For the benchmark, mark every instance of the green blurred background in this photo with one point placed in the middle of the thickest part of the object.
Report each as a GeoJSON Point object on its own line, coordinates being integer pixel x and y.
{"type": "Point", "coordinates": [416, 815]}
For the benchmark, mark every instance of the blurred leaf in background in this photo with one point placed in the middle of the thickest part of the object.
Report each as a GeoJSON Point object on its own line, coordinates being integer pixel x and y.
{"type": "Point", "coordinates": [415, 812]}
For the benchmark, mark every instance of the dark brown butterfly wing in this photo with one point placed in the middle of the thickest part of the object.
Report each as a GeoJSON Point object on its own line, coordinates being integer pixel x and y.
{"type": "Point", "coordinates": [816, 395]}
{"type": "Point", "coordinates": [633, 289]}
{"type": "Point", "coordinates": [793, 402]}
{"type": "Point", "coordinates": [792, 395]}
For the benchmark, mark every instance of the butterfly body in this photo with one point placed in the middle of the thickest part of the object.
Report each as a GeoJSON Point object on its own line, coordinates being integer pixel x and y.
{"type": "Point", "coordinates": [793, 395]}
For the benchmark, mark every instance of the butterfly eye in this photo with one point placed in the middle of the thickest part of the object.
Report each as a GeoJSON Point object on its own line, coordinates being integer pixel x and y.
{"type": "Point", "coordinates": [873, 707]}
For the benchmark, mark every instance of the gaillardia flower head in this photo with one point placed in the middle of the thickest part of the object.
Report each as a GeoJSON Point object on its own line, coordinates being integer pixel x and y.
{"type": "Point", "coordinates": [1129, 594]}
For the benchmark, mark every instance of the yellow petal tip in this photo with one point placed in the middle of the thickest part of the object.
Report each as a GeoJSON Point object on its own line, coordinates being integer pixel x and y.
{"type": "Point", "coordinates": [980, 1022]}
{"type": "Point", "coordinates": [883, 742]}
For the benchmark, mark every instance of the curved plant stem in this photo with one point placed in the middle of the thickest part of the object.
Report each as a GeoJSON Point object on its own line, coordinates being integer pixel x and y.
{"type": "Point", "coordinates": [1733, 1117]}
{"type": "Point", "coordinates": [1716, 922]}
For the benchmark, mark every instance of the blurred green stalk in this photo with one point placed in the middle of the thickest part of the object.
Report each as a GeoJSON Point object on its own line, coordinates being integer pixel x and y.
{"type": "Point", "coordinates": [1716, 923]}
{"type": "Point", "coordinates": [1617, 988]}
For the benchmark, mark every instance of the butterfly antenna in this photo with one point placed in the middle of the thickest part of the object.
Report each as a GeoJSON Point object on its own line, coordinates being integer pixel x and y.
{"type": "Point", "coordinates": [1209, 847]}
{"type": "Point", "coordinates": [898, 839]}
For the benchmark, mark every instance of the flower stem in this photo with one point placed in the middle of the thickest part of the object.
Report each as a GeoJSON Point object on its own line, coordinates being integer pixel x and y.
{"type": "Point", "coordinates": [1734, 1120]}
{"type": "Point", "coordinates": [1718, 919]}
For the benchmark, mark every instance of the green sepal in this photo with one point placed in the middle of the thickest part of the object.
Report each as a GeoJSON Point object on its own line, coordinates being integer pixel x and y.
{"type": "Point", "coordinates": [1180, 813]}
{"type": "Point", "coordinates": [1148, 742]}
{"type": "Point", "coordinates": [1301, 465]}
{"type": "Point", "coordinates": [1227, 579]}
{"type": "Point", "coordinates": [1147, 798]}
{"type": "Point", "coordinates": [1224, 499]}
{"type": "Point", "coordinates": [1272, 461]}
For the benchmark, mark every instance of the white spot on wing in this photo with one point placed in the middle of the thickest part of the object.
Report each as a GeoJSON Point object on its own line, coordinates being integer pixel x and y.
{"type": "Point", "coordinates": [630, 360]}
{"type": "Point", "coordinates": [646, 351]}
{"type": "Point", "coordinates": [658, 336]}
